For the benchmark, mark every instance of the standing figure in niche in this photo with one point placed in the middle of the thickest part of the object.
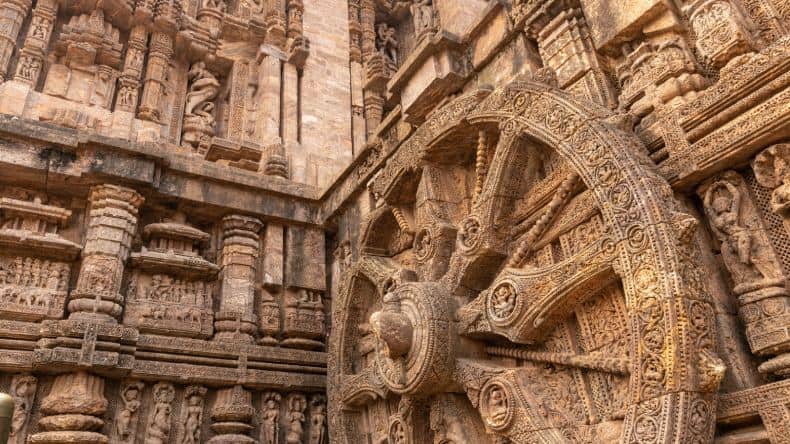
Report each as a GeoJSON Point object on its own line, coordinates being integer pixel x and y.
{"type": "Point", "coordinates": [318, 420]}
{"type": "Point", "coordinates": [270, 424]}
{"type": "Point", "coordinates": [159, 428]}
{"type": "Point", "coordinates": [131, 403]}
{"type": "Point", "coordinates": [194, 419]}
{"type": "Point", "coordinates": [422, 14]}
{"type": "Point", "coordinates": [296, 406]}
{"type": "Point", "coordinates": [387, 43]}
{"type": "Point", "coordinates": [23, 390]}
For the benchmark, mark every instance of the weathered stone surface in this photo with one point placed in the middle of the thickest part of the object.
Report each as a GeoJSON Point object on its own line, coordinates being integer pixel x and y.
{"type": "Point", "coordinates": [375, 221]}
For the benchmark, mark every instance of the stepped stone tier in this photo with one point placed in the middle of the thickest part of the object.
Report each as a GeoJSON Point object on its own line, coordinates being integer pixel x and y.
{"type": "Point", "coordinates": [395, 221]}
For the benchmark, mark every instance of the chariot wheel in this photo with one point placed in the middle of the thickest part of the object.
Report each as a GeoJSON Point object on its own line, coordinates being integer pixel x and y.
{"type": "Point", "coordinates": [526, 277]}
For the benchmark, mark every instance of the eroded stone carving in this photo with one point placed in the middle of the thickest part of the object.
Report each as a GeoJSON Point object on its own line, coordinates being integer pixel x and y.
{"type": "Point", "coordinates": [192, 415]}
{"type": "Point", "coordinates": [126, 420]}
{"type": "Point", "coordinates": [270, 418]}
{"type": "Point", "coordinates": [232, 416]}
{"type": "Point", "coordinates": [295, 418]}
{"type": "Point", "coordinates": [23, 390]}
{"type": "Point", "coordinates": [758, 277]}
{"type": "Point", "coordinates": [199, 111]}
{"type": "Point", "coordinates": [160, 419]}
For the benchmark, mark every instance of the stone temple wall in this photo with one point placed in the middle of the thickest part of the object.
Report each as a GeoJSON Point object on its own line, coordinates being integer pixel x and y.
{"type": "Point", "coordinates": [402, 222]}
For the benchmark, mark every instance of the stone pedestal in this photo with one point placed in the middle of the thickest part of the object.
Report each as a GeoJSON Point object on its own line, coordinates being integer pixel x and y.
{"type": "Point", "coordinates": [235, 320]}
{"type": "Point", "coordinates": [72, 411]}
{"type": "Point", "coordinates": [232, 416]}
{"type": "Point", "coordinates": [111, 226]}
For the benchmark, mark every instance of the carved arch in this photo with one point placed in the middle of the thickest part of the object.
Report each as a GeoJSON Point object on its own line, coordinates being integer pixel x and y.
{"type": "Point", "coordinates": [674, 372]}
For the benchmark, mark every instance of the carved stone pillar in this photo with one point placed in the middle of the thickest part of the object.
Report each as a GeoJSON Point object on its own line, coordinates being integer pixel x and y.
{"type": "Point", "coordinates": [357, 75]}
{"type": "Point", "coordinates": [31, 58]}
{"type": "Point", "coordinates": [12, 13]}
{"type": "Point", "coordinates": [129, 83]}
{"type": "Point", "coordinates": [269, 81]}
{"type": "Point", "coordinates": [232, 416]}
{"type": "Point", "coordinates": [759, 282]}
{"type": "Point", "coordinates": [72, 412]}
{"type": "Point", "coordinates": [235, 320]}
{"type": "Point", "coordinates": [155, 85]}
{"type": "Point", "coordinates": [374, 110]}
{"type": "Point", "coordinates": [112, 223]}
{"type": "Point", "coordinates": [721, 30]}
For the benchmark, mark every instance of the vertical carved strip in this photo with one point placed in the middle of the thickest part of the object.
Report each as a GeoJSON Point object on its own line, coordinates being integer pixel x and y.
{"type": "Point", "coordinates": [12, 13]}
{"type": "Point", "coordinates": [367, 19]}
{"type": "Point", "coordinates": [295, 18]}
{"type": "Point", "coordinates": [31, 59]}
{"type": "Point", "coordinates": [273, 283]}
{"type": "Point", "coordinates": [275, 23]}
{"type": "Point", "coordinates": [374, 110]}
{"type": "Point", "coordinates": [112, 223]}
{"type": "Point", "coordinates": [156, 77]}
{"type": "Point", "coordinates": [132, 70]}
{"type": "Point", "coordinates": [290, 104]}
{"type": "Point", "coordinates": [238, 88]}
{"type": "Point", "coordinates": [270, 83]}
{"type": "Point", "coordinates": [23, 390]}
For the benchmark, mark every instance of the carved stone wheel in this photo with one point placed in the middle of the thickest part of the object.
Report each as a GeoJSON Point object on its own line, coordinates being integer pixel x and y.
{"type": "Point", "coordinates": [526, 277]}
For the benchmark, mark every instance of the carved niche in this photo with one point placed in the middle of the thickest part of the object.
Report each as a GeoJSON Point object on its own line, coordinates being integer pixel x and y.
{"type": "Point", "coordinates": [303, 324]}
{"type": "Point", "coordinates": [35, 261]}
{"type": "Point", "coordinates": [721, 30]}
{"type": "Point", "coordinates": [656, 73]}
{"type": "Point", "coordinates": [88, 57]}
{"type": "Point", "coordinates": [127, 418]}
{"type": "Point", "coordinates": [171, 285]}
